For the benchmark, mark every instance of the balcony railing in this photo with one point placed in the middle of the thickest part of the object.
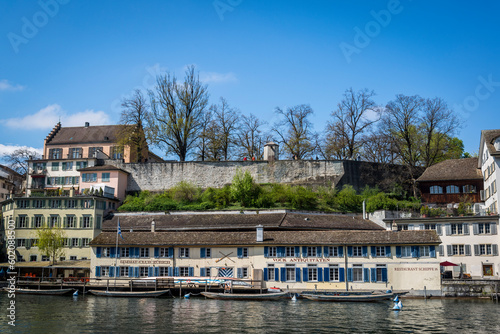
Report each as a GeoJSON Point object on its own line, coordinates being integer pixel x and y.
{"type": "Point", "coordinates": [38, 171]}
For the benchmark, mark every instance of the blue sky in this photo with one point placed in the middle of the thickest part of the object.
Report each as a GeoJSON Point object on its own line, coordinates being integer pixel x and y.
{"type": "Point", "coordinates": [75, 60]}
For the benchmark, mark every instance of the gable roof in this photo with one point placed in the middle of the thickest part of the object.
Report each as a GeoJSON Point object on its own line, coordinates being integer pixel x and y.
{"type": "Point", "coordinates": [102, 168]}
{"type": "Point", "coordinates": [84, 135]}
{"type": "Point", "coordinates": [489, 138]}
{"type": "Point", "coordinates": [453, 169]}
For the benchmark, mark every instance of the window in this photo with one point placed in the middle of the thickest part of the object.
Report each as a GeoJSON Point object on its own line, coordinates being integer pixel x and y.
{"type": "Point", "coordinates": [67, 165]}
{"type": "Point", "coordinates": [273, 252]}
{"type": "Point", "coordinates": [23, 221]}
{"type": "Point", "coordinates": [424, 251]}
{"type": "Point", "coordinates": [163, 252]}
{"type": "Point", "coordinates": [484, 228]}
{"type": "Point", "coordinates": [357, 272]}
{"type": "Point", "coordinates": [45, 258]}
{"type": "Point", "coordinates": [430, 227]}
{"type": "Point", "coordinates": [73, 258]}
{"type": "Point", "coordinates": [290, 273]}
{"type": "Point", "coordinates": [81, 164]}
{"type": "Point", "coordinates": [105, 271]}
{"type": "Point", "coordinates": [379, 251]}
{"type": "Point", "coordinates": [88, 203]}
{"type": "Point", "coordinates": [86, 221]}
{"type": "Point", "coordinates": [183, 271]}
{"type": "Point", "coordinates": [21, 242]}
{"type": "Point", "coordinates": [405, 251]}
{"type": "Point", "coordinates": [183, 252]}
{"type": "Point", "coordinates": [38, 221]}
{"type": "Point", "coordinates": [334, 272]}
{"type": "Point", "coordinates": [86, 242]}
{"type": "Point", "coordinates": [458, 249]}
{"type": "Point", "coordinates": [124, 271]}
{"type": "Point", "coordinates": [208, 252]}
{"type": "Point", "coordinates": [484, 249]}
{"type": "Point", "coordinates": [117, 152]}
{"type": "Point", "coordinates": [333, 251]}
{"type": "Point", "coordinates": [70, 222]}
{"type": "Point", "coordinates": [89, 177]}
{"type": "Point", "coordinates": [124, 252]}
{"type": "Point", "coordinates": [163, 271]}
{"type": "Point", "coordinates": [289, 251]}
{"type": "Point", "coordinates": [311, 252]}
{"type": "Point", "coordinates": [270, 272]}
{"type": "Point", "coordinates": [55, 203]}
{"type": "Point", "coordinates": [74, 242]}
{"type": "Point", "coordinates": [105, 177]}
{"type": "Point", "coordinates": [312, 272]}
{"type": "Point", "coordinates": [208, 271]}
{"type": "Point", "coordinates": [106, 251]}
{"type": "Point", "coordinates": [32, 258]}
{"type": "Point", "coordinates": [55, 166]}
{"type": "Point", "coordinates": [469, 189]}
{"type": "Point", "coordinates": [380, 270]}
{"type": "Point", "coordinates": [23, 204]}
{"type": "Point", "coordinates": [93, 151]}
{"type": "Point", "coordinates": [244, 251]}
{"type": "Point", "coordinates": [75, 152]}
{"type": "Point", "coordinates": [357, 251]}
{"type": "Point", "coordinates": [436, 190]}
{"type": "Point", "coordinates": [62, 258]}
{"type": "Point", "coordinates": [143, 271]}
{"type": "Point", "coordinates": [452, 189]}
{"type": "Point", "coordinates": [243, 272]}
{"type": "Point", "coordinates": [403, 227]}
{"type": "Point", "coordinates": [39, 203]}
{"type": "Point", "coordinates": [457, 229]}
{"type": "Point", "coordinates": [53, 221]}
{"type": "Point", "coordinates": [144, 252]}
{"type": "Point", "coordinates": [55, 153]}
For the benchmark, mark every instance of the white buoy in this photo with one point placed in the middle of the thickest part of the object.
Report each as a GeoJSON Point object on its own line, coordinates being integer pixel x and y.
{"type": "Point", "coordinates": [187, 295]}
{"type": "Point", "coordinates": [396, 299]}
{"type": "Point", "coordinates": [75, 293]}
{"type": "Point", "coordinates": [398, 306]}
{"type": "Point", "coordinates": [294, 298]}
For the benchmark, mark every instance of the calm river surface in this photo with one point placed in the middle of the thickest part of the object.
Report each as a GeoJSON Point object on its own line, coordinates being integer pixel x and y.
{"type": "Point", "coordinates": [91, 314]}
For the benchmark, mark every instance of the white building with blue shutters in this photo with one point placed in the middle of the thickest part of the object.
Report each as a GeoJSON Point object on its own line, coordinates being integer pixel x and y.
{"type": "Point", "coordinates": [299, 259]}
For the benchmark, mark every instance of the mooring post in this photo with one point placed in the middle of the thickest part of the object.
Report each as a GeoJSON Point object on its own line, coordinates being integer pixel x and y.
{"type": "Point", "coordinates": [425, 292]}
{"type": "Point", "coordinates": [180, 288]}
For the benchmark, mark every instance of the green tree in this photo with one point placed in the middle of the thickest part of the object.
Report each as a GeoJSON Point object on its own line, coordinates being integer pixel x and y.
{"type": "Point", "coordinates": [51, 242]}
{"type": "Point", "coordinates": [243, 188]}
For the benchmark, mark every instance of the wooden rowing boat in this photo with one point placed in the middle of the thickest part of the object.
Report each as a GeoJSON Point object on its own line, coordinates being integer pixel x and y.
{"type": "Point", "coordinates": [41, 292]}
{"type": "Point", "coordinates": [245, 296]}
{"type": "Point", "coordinates": [136, 294]}
{"type": "Point", "coordinates": [347, 297]}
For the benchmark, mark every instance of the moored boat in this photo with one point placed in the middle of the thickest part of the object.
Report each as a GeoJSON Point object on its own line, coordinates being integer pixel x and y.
{"type": "Point", "coordinates": [245, 296]}
{"type": "Point", "coordinates": [136, 294]}
{"type": "Point", "coordinates": [41, 292]}
{"type": "Point", "coordinates": [348, 297]}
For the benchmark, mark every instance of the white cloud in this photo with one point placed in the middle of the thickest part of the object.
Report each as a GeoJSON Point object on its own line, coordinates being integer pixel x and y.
{"type": "Point", "coordinates": [214, 77]}
{"type": "Point", "coordinates": [6, 85]}
{"type": "Point", "coordinates": [8, 149]}
{"type": "Point", "coordinates": [47, 117]}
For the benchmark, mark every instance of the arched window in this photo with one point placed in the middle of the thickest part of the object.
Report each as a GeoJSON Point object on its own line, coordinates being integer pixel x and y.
{"type": "Point", "coordinates": [436, 190]}
{"type": "Point", "coordinates": [452, 190]}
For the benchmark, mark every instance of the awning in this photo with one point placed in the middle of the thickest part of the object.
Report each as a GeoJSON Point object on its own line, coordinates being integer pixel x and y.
{"type": "Point", "coordinates": [78, 264]}
{"type": "Point", "coordinates": [447, 264]}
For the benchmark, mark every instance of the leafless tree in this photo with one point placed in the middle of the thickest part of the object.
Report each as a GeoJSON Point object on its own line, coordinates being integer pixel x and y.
{"type": "Point", "coordinates": [294, 130]}
{"type": "Point", "coordinates": [350, 121]}
{"type": "Point", "coordinates": [18, 160]}
{"type": "Point", "coordinates": [226, 124]}
{"type": "Point", "coordinates": [204, 137]}
{"type": "Point", "coordinates": [177, 109]}
{"type": "Point", "coordinates": [251, 139]}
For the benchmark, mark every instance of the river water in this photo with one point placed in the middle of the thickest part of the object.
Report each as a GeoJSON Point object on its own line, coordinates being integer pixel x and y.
{"type": "Point", "coordinates": [91, 314]}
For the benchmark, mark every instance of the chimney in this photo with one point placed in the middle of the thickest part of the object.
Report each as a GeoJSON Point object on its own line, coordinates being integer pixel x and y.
{"type": "Point", "coordinates": [153, 226]}
{"type": "Point", "coordinates": [260, 233]}
{"type": "Point", "coordinates": [87, 124]}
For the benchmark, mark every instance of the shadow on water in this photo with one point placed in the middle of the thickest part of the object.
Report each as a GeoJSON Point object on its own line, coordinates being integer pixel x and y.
{"type": "Point", "coordinates": [90, 314]}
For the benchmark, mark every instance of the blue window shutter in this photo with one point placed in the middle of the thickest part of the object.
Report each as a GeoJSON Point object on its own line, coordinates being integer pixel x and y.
{"type": "Point", "coordinates": [384, 274]}
{"type": "Point", "coordinates": [305, 272]}
{"type": "Point", "coordinates": [326, 251]}
{"type": "Point", "coordinates": [169, 271]}
{"type": "Point", "coordinates": [304, 251]}
{"type": "Point", "coordinates": [320, 274]}
{"type": "Point", "coordinates": [203, 272]}
{"type": "Point", "coordinates": [151, 271]}
{"type": "Point", "coordinates": [117, 271]}
{"type": "Point", "coordinates": [297, 274]}
{"type": "Point", "coordinates": [265, 274]}
{"type": "Point", "coordinates": [283, 274]}
{"type": "Point", "coordinates": [341, 275]}
{"type": "Point", "coordinates": [326, 274]}
{"type": "Point", "coordinates": [266, 251]}
{"type": "Point", "coordinates": [373, 249]}
{"type": "Point", "coordinates": [341, 251]}
{"type": "Point", "coordinates": [157, 271]}
{"type": "Point", "coordinates": [136, 271]}
{"type": "Point", "coordinates": [365, 251]}
{"type": "Point", "coordinates": [98, 252]}
{"type": "Point", "coordinates": [240, 272]}
{"type": "Point", "coordinates": [240, 252]}
{"type": "Point", "coordinates": [318, 251]}
{"type": "Point", "coordinates": [130, 271]}
{"type": "Point", "coordinates": [388, 251]}
{"type": "Point", "coordinates": [111, 271]}
{"type": "Point", "coordinates": [349, 251]}
{"type": "Point", "coordinates": [297, 251]}
{"type": "Point", "coordinates": [414, 251]}
{"type": "Point", "coordinates": [97, 271]}
{"type": "Point", "coordinates": [112, 252]}
{"type": "Point", "coordinates": [118, 252]}
{"type": "Point", "coordinates": [191, 271]}
{"type": "Point", "coordinates": [374, 274]}
{"type": "Point", "coordinates": [366, 274]}
{"type": "Point", "coordinates": [176, 271]}
{"type": "Point", "coordinates": [281, 251]}
{"type": "Point", "coordinates": [171, 252]}
{"type": "Point", "coordinates": [432, 251]}
{"type": "Point", "coordinates": [349, 274]}
{"type": "Point", "coordinates": [398, 251]}
{"type": "Point", "coordinates": [203, 252]}
{"type": "Point", "coordinates": [157, 252]}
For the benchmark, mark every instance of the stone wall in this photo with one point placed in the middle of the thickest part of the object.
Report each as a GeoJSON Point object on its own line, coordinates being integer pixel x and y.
{"type": "Point", "coordinates": [158, 176]}
{"type": "Point", "coordinates": [470, 288]}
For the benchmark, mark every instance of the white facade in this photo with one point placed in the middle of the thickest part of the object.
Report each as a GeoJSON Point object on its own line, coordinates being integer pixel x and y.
{"type": "Point", "coordinates": [489, 167]}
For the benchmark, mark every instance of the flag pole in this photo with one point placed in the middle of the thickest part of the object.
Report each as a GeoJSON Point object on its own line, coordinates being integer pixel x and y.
{"type": "Point", "coordinates": [116, 249]}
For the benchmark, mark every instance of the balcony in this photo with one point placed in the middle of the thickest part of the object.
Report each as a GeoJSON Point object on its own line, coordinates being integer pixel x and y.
{"type": "Point", "coordinates": [38, 171]}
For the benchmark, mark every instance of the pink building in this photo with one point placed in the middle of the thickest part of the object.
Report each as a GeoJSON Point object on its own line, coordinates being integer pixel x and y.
{"type": "Point", "coordinates": [112, 180]}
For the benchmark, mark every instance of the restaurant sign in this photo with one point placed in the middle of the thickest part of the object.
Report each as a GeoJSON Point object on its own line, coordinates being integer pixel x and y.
{"type": "Point", "coordinates": [152, 262]}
